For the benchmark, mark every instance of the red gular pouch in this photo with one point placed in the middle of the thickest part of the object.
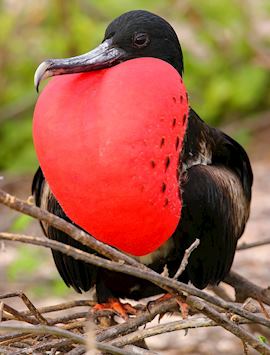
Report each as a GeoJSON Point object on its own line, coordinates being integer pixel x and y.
{"type": "Point", "coordinates": [109, 144]}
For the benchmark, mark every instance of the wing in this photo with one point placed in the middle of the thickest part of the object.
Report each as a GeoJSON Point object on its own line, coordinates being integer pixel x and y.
{"type": "Point", "coordinates": [216, 191]}
{"type": "Point", "coordinates": [75, 273]}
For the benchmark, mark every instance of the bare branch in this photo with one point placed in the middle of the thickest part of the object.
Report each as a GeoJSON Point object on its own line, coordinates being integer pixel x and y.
{"type": "Point", "coordinates": [245, 288]}
{"type": "Point", "coordinates": [44, 329]}
{"type": "Point", "coordinates": [11, 337]}
{"type": "Point", "coordinates": [122, 263]}
{"type": "Point", "coordinates": [184, 261]}
{"type": "Point", "coordinates": [229, 325]}
{"type": "Point", "coordinates": [220, 292]}
{"type": "Point", "coordinates": [17, 315]}
{"type": "Point", "coordinates": [135, 350]}
{"type": "Point", "coordinates": [1, 310]}
{"type": "Point", "coordinates": [46, 345]}
{"type": "Point", "coordinates": [62, 306]}
{"type": "Point", "coordinates": [147, 274]}
{"type": "Point", "coordinates": [133, 323]}
{"type": "Point", "coordinates": [60, 224]}
{"type": "Point", "coordinates": [28, 304]}
{"type": "Point", "coordinates": [163, 328]}
{"type": "Point", "coordinates": [245, 246]}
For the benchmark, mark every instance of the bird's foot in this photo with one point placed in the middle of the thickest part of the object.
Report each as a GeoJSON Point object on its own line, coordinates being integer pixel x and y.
{"type": "Point", "coordinates": [121, 309]}
{"type": "Point", "coordinates": [183, 306]}
{"type": "Point", "coordinates": [179, 299]}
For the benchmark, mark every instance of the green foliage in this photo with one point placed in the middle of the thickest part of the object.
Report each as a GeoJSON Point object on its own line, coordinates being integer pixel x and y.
{"type": "Point", "coordinates": [55, 287]}
{"type": "Point", "coordinates": [28, 264]}
{"type": "Point", "coordinates": [262, 339]}
{"type": "Point", "coordinates": [221, 40]}
{"type": "Point", "coordinates": [20, 223]}
{"type": "Point", "coordinates": [17, 153]}
{"type": "Point", "coordinates": [242, 136]}
{"type": "Point", "coordinates": [25, 264]}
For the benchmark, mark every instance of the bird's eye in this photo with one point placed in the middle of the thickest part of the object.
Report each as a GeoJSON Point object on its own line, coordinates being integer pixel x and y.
{"type": "Point", "coordinates": [140, 40]}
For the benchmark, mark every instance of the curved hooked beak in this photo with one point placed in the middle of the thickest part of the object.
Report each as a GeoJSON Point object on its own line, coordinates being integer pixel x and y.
{"type": "Point", "coordinates": [104, 56]}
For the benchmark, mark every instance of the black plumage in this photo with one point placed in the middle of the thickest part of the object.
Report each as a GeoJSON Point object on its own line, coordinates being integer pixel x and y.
{"type": "Point", "coordinates": [215, 180]}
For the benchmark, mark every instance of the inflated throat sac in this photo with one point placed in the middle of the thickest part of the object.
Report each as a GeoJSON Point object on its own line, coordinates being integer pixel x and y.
{"type": "Point", "coordinates": [109, 143]}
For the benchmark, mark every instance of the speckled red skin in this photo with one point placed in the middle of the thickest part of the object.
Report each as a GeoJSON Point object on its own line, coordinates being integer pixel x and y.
{"type": "Point", "coordinates": [108, 143]}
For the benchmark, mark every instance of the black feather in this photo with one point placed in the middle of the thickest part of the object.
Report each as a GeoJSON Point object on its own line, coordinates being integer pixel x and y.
{"type": "Point", "coordinates": [75, 273]}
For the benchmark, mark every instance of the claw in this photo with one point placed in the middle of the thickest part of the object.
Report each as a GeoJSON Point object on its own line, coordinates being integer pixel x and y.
{"type": "Point", "coordinates": [164, 297]}
{"type": "Point", "coordinates": [121, 309]}
{"type": "Point", "coordinates": [179, 299]}
{"type": "Point", "coordinates": [183, 307]}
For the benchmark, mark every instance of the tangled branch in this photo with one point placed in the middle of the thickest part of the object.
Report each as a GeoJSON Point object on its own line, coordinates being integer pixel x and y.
{"type": "Point", "coordinates": [215, 310]}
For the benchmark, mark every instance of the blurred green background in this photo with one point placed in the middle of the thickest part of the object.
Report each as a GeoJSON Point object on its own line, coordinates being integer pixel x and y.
{"type": "Point", "coordinates": [226, 46]}
{"type": "Point", "coordinates": [225, 53]}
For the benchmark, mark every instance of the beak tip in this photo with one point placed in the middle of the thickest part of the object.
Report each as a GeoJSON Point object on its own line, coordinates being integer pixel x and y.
{"type": "Point", "coordinates": [41, 73]}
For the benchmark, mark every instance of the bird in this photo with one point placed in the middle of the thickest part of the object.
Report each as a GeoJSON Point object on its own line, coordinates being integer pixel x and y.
{"type": "Point", "coordinates": [214, 177]}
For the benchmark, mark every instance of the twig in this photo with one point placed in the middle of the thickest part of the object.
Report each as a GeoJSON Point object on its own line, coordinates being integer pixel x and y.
{"type": "Point", "coordinates": [191, 322]}
{"type": "Point", "coordinates": [220, 292]}
{"type": "Point", "coordinates": [47, 345]}
{"type": "Point", "coordinates": [245, 288]}
{"type": "Point", "coordinates": [77, 351]}
{"type": "Point", "coordinates": [42, 330]}
{"type": "Point", "coordinates": [147, 274]}
{"type": "Point", "coordinates": [33, 310]}
{"type": "Point", "coordinates": [113, 350]}
{"type": "Point", "coordinates": [132, 324]}
{"type": "Point", "coordinates": [1, 311]}
{"type": "Point", "coordinates": [264, 311]}
{"type": "Point", "coordinates": [163, 328]}
{"type": "Point", "coordinates": [135, 350]}
{"type": "Point", "coordinates": [45, 329]}
{"type": "Point", "coordinates": [229, 325]}
{"type": "Point", "coordinates": [68, 317]}
{"type": "Point", "coordinates": [138, 271]}
{"type": "Point", "coordinates": [60, 224]}
{"type": "Point", "coordinates": [184, 261]}
{"type": "Point", "coordinates": [245, 246]}
{"type": "Point", "coordinates": [195, 322]}
{"type": "Point", "coordinates": [63, 306]}
{"type": "Point", "coordinates": [75, 325]}
{"type": "Point", "coordinates": [20, 345]}
{"type": "Point", "coordinates": [11, 337]}
{"type": "Point", "coordinates": [18, 316]}
{"type": "Point", "coordinates": [7, 350]}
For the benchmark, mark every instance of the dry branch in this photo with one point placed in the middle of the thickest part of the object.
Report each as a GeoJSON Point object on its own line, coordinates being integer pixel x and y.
{"type": "Point", "coordinates": [146, 274]}
{"type": "Point", "coordinates": [60, 224]}
{"type": "Point", "coordinates": [63, 306]}
{"type": "Point", "coordinates": [245, 289]}
{"type": "Point", "coordinates": [133, 324]}
{"type": "Point", "coordinates": [209, 305]}
{"type": "Point", "coordinates": [184, 261]}
{"type": "Point", "coordinates": [245, 246]}
{"type": "Point", "coordinates": [46, 345]}
{"type": "Point", "coordinates": [34, 311]}
{"type": "Point", "coordinates": [45, 329]}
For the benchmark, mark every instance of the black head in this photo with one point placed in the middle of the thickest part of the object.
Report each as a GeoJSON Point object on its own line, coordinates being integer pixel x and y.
{"type": "Point", "coordinates": [132, 35]}
{"type": "Point", "coordinates": [143, 34]}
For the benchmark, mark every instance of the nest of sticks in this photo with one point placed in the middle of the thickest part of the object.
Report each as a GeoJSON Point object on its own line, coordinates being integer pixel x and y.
{"type": "Point", "coordinates": [73, 328]}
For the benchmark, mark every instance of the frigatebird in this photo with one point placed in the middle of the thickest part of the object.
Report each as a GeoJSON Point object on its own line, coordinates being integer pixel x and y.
{"type": "Point", "coordinates": [214, 176]}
